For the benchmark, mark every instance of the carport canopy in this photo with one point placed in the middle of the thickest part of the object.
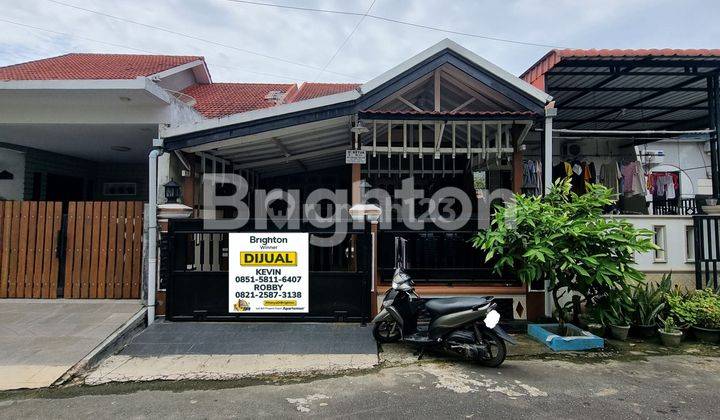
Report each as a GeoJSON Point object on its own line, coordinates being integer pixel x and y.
{"type": "Point", "coordinates": [629, 89]}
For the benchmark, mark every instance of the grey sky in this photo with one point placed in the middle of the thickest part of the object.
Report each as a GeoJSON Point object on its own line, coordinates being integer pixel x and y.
{"type": "Point", "coordinates": [312, 37]}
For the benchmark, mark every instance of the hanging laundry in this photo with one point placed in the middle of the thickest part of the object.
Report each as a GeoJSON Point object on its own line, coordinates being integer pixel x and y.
{"type": "Point", "coordinates": [610, 176]}
{"type": "Point", "coordinates": [532, 177]}
{"type": "Point", "coordinates": [633, 179]}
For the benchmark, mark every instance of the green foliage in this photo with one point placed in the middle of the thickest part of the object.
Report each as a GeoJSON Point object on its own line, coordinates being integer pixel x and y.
{"type": "Point", "coordinates": [649, 300]}
{"type": "Point", "coordinates": [670, 325]}
{"type": "Point", "coordinates": [563, 238]}
{"type": "Point", "coordinates": [700, 308]}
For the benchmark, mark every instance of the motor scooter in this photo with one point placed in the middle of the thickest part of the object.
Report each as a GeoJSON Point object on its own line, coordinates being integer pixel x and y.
{"type": "Point", "coordinates": [466, 326]}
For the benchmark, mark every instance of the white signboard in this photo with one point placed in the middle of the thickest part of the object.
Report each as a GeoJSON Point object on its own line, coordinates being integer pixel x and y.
{"type": "Point", "coordinates": [355, 156]}
{"type": "Point", "coordinates": [268, 272]}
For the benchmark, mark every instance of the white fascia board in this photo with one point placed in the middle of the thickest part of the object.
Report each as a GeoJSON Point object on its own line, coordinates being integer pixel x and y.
{"type": "Point", "coordinates": [467, 54]}
{"type": "Point", "coordinates": [260, 114]}
{"type": "Point", "coordinates": [177, 69]}
{"type": "Point", "coordinates": [85, 85]}
{"type": "Point", "coordinates": [79, 84]}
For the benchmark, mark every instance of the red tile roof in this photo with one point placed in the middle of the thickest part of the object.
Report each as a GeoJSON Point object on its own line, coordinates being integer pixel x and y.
{"type": "Point", "coordinates": [310, 90]}
{"type": "Point", "coordinates": [93, 66]}
{"type": "Point", "coordinates": [552, 58]}
{"type": "Point", "coordinates": [220, 99]}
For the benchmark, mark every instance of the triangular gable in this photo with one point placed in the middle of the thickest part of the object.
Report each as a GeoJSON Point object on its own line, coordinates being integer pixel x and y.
{"type": "Point", "coordinates": [454, 59]}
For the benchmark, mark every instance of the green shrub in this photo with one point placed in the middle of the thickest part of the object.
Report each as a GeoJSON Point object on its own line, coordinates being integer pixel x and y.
{"type": "Point", "coordinates": [700, 308]}
{"type": "Point", "coordinates": [648, 300]}
{"type": "Point", "coordinates": [563, 238]}
{"type": "Point", "coordinates": [707, 308]}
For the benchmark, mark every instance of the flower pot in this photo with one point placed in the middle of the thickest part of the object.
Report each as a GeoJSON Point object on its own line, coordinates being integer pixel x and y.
{"type": "Point", "coordinates": [620, 332]}
{"type": "Point", "coordinates": [706, 335]}
{"type": "Point", "coordinates": [596, 329]}
{"type": "Point", "coordinates": [670, 339]}
{"type": "Point", "coordinates": [644, 331]}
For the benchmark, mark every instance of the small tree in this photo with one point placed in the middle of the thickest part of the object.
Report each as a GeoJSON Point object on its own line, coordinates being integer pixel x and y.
{"type": "Point", "coordinates": [562, 237]}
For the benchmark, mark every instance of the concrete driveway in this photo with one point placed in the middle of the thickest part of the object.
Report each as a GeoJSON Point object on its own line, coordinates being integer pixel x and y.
{"type": "Point", "coordinates": [235, 350]}
{"type": "Point", "coordinates": [41, 339]}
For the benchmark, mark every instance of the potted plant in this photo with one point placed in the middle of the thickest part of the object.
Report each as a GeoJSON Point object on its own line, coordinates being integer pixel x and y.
{"type": "Point", "coordinates": [562, 238]}
{"type": "Point", "coordinates": [678, 308]}
{"type": "Point", "coordinates": [619, 317]}
{"type": "Point", "coordinates": [706, 306]}
{"type": "Point", "coordinates": [648, 300]}
{"type": "Point", "coordinates": [670, 334]}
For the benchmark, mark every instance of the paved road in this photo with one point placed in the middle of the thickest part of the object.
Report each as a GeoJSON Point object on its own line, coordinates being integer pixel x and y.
{"type": "Point", "coordinates": [659, 387]}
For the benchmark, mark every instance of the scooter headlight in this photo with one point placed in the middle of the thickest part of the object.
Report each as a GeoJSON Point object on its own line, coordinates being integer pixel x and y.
{"type": "Point", "coordinates": [492, 318]}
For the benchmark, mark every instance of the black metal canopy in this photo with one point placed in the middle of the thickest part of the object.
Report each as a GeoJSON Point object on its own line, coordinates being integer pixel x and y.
{"type": "Point", "coordinates": [643, 92]}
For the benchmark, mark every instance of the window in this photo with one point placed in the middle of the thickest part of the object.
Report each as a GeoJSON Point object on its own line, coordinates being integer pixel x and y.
{"type": "Point", "coordinates": [660, 240]}
{"type": "Point", "coordinates": [689, 243]}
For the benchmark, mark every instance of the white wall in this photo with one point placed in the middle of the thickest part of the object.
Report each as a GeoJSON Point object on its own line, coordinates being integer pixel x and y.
{"type": "Point", "coordinates": [12, 161]}
{"type": "Point", "coordinates": [678, 245]}
{"type": "Point", "coordinates": [686, 156]}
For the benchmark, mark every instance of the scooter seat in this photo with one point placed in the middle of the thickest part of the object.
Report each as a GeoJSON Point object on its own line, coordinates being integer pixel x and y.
{"type": "Point", "coordinates": [443, 306]}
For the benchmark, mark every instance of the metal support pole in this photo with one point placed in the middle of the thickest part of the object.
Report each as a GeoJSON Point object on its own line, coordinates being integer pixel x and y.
{"type": "Point", "coordinates": [548, 148]}
{"type": "Point", "coordinates": [547, 176]}
{"type": "Point", "coordinates": [714, 119]}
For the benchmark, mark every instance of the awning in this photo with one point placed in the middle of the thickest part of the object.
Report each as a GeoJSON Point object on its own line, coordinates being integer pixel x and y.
{"type": "Point", "coordinates": [628, 89]}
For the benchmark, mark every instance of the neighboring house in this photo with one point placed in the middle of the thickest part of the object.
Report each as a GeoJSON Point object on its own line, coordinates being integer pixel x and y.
{"type": "Point", "coordinates": [80, 126]}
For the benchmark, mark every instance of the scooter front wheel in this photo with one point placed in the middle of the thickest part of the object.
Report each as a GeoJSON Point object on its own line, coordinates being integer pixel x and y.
{"type": "Point", "coordinates": [496, 350]}
{"type": "Point", "coordinates": [387, 332]}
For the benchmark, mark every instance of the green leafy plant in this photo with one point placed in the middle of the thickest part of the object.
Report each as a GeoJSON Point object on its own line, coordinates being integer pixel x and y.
{"type": "Point", "coordinates": [670, 326]}
{"type": "Point", "coordinates": [679, 307]}
{"type": "Point", "coordinates": [563, 238]}
{"type": "Point", "coordinates": [706, 304]}
{"type": "Point", "coordinates": [649, 300]}
{"type": "Point", "coordinates": [700, 308]}
{"type": "Point", "coordinates": [617, 315]}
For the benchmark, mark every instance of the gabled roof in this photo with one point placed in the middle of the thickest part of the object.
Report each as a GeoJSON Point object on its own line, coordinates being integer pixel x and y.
{"type": "Point", "coordinates": [77, 66]}
{"type": "Point", "coordinates": [220, 99]}
{"type": "Point", "coordinates": [475, 59]}
{"type": "Point", "coordinates": [345, 103]}
{"type": "Point", "coordinates": [310, 90]}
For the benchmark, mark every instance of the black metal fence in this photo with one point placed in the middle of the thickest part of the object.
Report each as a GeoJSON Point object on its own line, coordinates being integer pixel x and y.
{"type": "Point", "coordinates": [434, 255]}
{"type": "Point", "coordinates": [680, 207]}
{"type": "Point", "coordinates": [197, 284]}
{"type": "Point", "coordinates": [707, 250]}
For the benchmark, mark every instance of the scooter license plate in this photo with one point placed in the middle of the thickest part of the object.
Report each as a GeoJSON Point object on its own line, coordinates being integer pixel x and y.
{"type": "Point", "coordinates": [492, 319]}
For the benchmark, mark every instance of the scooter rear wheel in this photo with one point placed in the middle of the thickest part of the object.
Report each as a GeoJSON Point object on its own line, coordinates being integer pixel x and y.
{"type": "Point", "coordinates": [496, 348]}
{"type": "Point", "coordinates": [387, 332]}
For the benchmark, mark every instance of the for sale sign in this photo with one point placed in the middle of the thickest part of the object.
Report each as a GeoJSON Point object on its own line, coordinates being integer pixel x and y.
{"type": "Point", "coordinates": [268, 272]}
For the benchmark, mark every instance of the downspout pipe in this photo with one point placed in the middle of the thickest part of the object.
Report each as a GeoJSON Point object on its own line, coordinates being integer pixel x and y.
{"type": "Point", "coordinates": [152, 228]}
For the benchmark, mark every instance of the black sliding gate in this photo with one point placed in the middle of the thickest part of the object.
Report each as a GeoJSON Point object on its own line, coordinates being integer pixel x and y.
{"type": "Point", "coordinates": [194, 272]}
{"type": "Point", "coordinates": [707, 251]}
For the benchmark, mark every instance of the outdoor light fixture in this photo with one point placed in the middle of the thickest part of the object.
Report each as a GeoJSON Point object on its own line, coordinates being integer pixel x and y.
{"type": "Point", "coordinates": [359, 129]}
{"type": "Point", "coordinates": [172, 191]}
{"type": "Point", "coordinates": [369, 212]}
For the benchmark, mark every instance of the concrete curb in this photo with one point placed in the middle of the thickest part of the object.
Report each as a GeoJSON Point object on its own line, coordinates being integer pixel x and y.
{"type": "Point", "coordinates": [110, 345]}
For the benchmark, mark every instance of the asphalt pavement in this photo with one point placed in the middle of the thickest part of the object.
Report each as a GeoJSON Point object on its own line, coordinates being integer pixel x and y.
{"type": "Point", "coordinates": [681, 386]}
